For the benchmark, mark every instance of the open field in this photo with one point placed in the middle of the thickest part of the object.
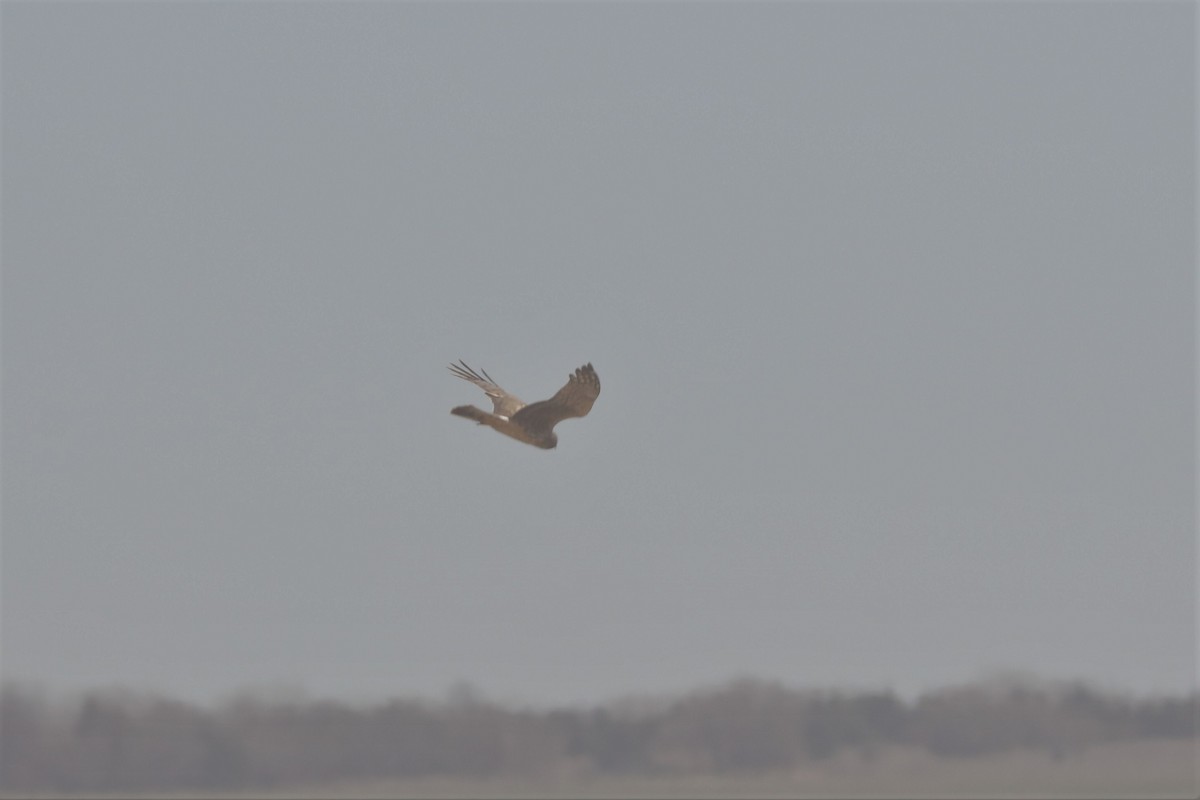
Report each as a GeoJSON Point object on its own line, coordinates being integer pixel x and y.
{"type": "Point", "coordinates": [1138, 769]}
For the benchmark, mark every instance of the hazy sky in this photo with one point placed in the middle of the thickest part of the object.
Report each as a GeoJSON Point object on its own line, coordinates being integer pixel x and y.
{"type": "Point", "coordinates": [893, 306]}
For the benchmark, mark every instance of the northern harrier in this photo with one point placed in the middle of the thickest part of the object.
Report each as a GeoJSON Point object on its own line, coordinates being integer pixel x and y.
{"type": "Point", "coordinates": [533, 423]}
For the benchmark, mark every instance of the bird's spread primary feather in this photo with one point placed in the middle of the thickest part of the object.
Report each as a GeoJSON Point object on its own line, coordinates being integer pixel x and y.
{"type": "Point", "coordinates": [531, 423]}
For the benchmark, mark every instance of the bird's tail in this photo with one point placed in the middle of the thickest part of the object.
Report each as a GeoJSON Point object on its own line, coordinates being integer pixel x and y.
{"type": "Point", "coordinates": [471, 412]}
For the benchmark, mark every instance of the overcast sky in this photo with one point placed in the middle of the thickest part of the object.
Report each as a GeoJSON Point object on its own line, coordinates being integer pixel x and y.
{"type": "Point", "coordinates": [892, 304]}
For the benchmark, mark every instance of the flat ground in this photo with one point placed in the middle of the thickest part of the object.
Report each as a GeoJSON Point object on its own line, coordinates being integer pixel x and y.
{"type": "Point", "coordinates": [1143, 769]}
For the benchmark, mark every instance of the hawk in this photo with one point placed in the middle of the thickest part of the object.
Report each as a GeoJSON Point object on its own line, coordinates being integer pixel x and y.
{"type": "Point", "coordinates": [531, 423]}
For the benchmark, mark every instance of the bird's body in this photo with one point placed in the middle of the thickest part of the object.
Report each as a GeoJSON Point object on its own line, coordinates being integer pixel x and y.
{"type": "Point", "coordinates": [532, 423]}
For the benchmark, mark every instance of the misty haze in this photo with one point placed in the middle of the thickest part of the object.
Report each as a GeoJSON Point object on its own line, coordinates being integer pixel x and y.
{"type": "Point", "coordinates": [890, 489]}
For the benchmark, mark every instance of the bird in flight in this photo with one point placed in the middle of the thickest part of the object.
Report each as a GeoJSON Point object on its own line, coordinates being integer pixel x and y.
{"type": "Point", "coordinates": [532, 423]}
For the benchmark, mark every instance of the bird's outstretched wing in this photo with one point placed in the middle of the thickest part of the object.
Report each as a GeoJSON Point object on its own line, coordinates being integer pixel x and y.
{"type": "Point", "coordinates": [573, 400]}
{"type": "Point", "coordinates": [505, 404]}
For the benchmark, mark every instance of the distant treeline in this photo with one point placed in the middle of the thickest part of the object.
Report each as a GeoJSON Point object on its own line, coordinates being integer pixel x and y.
{"type": "Point", "coordinates": [117, 742]}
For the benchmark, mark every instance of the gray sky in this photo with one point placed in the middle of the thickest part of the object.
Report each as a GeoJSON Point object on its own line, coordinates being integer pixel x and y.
{"type": "Point", "coordinates": [893, 306]}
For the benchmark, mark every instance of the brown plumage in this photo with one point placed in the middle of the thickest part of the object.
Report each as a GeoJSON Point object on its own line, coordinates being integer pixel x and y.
{"type": "Point", "coordinates": [531, 423]}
